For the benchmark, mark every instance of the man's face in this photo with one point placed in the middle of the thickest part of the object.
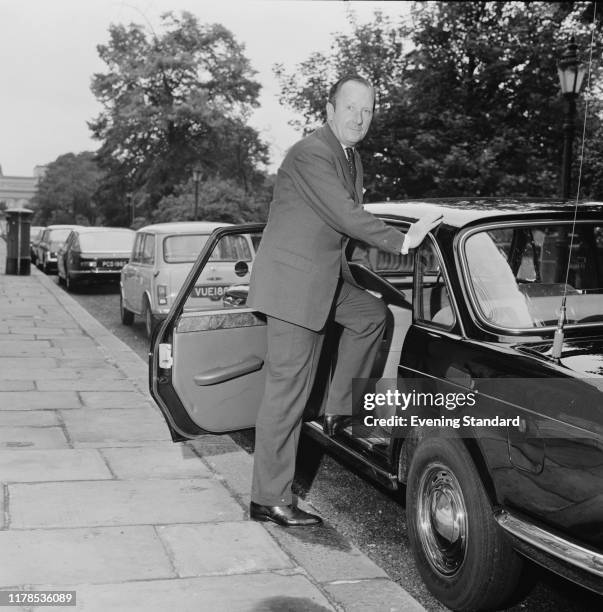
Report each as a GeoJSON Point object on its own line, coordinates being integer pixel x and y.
{"type": "Point", "coordinates": [351, 116]}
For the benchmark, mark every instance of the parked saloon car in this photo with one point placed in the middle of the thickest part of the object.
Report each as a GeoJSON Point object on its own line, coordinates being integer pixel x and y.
{"type": "Point", "coordinates": [52, 238]}
{"type": "Point", "coordinates": [94, 255]}
{"type": "Point", "coordinates": [162, 257]}
{"type": "Point", "coordinates": [472, 320]}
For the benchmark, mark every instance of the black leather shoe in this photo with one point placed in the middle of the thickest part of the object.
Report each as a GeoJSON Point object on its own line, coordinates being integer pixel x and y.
{"type": "Point", "coordinates": [287, 516]}
{"type": "Point", "coordinates": [334, 423]}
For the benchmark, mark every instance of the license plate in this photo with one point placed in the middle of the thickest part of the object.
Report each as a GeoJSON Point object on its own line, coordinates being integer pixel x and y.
{"type": "Point", "coordinates": [112, 263]}
{"type": "Point", "coordinates": [213, 292]}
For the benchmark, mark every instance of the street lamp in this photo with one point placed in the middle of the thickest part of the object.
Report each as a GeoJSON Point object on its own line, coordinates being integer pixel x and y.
{"type": "Point", "coordinates": [130, 206]}
{"type": "Point", "coordinates": [571, 74]}
{"type": "Point", "coordinates": [197, 174]}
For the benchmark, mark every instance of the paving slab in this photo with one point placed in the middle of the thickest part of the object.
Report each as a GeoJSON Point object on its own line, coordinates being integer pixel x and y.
{"type": "Point", "coordinates": [374, 595]}
{"type": "Point", "coordinates": [127, 427]}
{"type": "Point", "coordinates": [81, 384]}
{"type": "Point", "coordinates": [27, 362]}
{"type": "Point", "coordinates": [222, 549]}
{"type": "Point", "coordinates": [33, 400]}
{"type": "Point", "coordinates": [263, 592]}
{"type": "Point", "coordinates": [326, 555]}
{"type": "Point", "coordinates": [114, 399]}
{"type": "Point", "coordinates": [173, 461]}
{"type": "Point", "coordinates": [16, 385]}
{"type": "Point", "coordinates": [120, 502]}
{"type": "Point", "coordinates": [74, 342]}
{"type": "Point", "coordinates": [16, 373]}
{"type": "Point", "coordinates": [52, 465]}
{"type": "Point", "coordinates": [28, 418]}
{"type": "Point", "coordinates": [62, 557]}
{"type": "Point", "coordinates": [28, 438]}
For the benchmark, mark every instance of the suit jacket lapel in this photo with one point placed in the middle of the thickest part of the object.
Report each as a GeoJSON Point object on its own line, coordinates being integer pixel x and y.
{"type": "Point", "coordinates": [340, 154]}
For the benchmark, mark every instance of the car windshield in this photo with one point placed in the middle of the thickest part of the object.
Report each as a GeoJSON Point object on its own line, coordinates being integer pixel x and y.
{"type": "Point", "coordinates": [58, 235]}
{"type": "Point", "coordinates": [107, 241]}
{"type": "Point", "coordinates": [518, 275]}
{"type": "Point", "coordinates": [186, 248]}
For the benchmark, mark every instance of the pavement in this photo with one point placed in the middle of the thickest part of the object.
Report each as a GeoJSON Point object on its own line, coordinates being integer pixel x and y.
{"type": "Point", "coordinates": [96, 499]}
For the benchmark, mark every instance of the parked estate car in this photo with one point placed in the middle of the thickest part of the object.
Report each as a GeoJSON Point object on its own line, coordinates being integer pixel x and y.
{"type": "Point", "coordinates": [35, 234]}
{"type": "Point", "coordinates": [162, 257]}
{"type": "Point", "coordinates": [50, 242]}
{"type": "Point", "coordinates": [494, 342]}
{"type": "Point", "coordinates": [94, 255]}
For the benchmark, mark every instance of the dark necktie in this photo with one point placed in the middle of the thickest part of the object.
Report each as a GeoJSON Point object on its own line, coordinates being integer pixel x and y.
{"type": "Point", "coordinates": [349, 153]}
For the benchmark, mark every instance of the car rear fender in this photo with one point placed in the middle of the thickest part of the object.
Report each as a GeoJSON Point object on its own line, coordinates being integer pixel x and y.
{"type": "Point", "coordinates": [404, 450]}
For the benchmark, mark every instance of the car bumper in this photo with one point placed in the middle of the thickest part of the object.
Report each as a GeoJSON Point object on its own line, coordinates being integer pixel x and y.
{"type": "Point", "coordinates": [558, 554]}
{"type": "Point", "coordinates": [98, 276]}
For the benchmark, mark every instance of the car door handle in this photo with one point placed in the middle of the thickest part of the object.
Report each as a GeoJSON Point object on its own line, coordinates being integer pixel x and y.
{"type": "Point", "coordinates": [218, 375]}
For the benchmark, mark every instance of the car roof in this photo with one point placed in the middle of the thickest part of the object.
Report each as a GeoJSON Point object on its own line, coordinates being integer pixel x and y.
{"type": "Point", "coordinates": [459, 212]}
{"type": "Point", "coordinates": [92, 229]}
{"type": "Point", "coordinates": [183, 227]}
{"type": "Point", "coordinates": [61, 226]}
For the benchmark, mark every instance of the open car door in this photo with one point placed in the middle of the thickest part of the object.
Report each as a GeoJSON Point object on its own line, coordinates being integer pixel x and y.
{"type": "Point", "coordinates": [206, 359]}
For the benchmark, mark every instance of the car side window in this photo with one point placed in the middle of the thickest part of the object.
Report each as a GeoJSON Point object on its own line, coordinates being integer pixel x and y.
{"type": "Point", "coordinates": [137, 249]}
{"type": "Point", "coordinates": [148, 250]}
{"type": "Point", "coordinates": [432, 301]}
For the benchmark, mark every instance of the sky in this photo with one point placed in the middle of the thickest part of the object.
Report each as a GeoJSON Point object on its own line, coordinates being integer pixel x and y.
{"type": "Point", "coordinates": [48, 56]}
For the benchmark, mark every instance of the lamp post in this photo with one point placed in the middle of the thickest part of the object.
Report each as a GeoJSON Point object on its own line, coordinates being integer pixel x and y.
{"type": "Point", "coordinates": [130, 206]}
{"type": "Point", "coordinates": [571, 74]}
{"type": "Point", "coordinates": [197, 173]}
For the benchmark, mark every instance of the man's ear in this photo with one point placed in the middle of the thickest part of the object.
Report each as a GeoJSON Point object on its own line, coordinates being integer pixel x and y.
{"type": "Point", "coordinates": [330, 111]}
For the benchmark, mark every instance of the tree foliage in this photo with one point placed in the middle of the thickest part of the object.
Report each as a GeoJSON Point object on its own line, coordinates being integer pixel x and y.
{"type": "Point", "coordinates": [66, 193]}
{"type": "Point", "coordinates": [468, 99]}
{"type": "Point", "coordinates": [171, 100]}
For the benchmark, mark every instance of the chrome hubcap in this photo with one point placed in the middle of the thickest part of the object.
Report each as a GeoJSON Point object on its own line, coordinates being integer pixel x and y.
{"type": "Point", "coordinates": [442, 519]}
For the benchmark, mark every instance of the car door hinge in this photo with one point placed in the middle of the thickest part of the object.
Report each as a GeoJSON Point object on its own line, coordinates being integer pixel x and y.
{"type": "Point", "coordinates": [165, 356]}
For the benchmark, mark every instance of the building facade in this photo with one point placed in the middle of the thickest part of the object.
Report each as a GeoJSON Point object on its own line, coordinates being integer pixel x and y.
{"type": "Point", "coordinates": [18, 191]}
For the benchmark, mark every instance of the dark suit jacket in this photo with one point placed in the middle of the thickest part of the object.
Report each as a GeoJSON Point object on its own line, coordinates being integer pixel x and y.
{"type": "Point", "coordinates": [315, 210]}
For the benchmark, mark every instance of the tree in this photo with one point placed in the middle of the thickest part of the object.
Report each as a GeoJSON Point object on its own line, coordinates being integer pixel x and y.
{"type": "Point", "coordinates": [468, 100]}
{"type": "Point", "coordinates": [66, 193]}
{"type": "Point", "coordinates": [170, 101]}
{"type": "Point", "coordinates": [219, 200]}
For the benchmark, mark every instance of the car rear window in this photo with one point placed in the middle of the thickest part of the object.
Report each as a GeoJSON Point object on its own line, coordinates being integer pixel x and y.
{"type": "Point", "coordinates": [186, 248]}
{"type": "Point", "coordinates": [107, 241]}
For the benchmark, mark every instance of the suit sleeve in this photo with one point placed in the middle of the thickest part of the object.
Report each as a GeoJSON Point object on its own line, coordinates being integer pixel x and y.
{"type": "Point", "coordinates": [314, 176]}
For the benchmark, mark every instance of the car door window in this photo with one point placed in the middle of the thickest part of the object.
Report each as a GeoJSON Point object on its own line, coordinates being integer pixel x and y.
{"type": "Point", "coordinates": [432, 304]}
{"type": "Point", "coordinates": [148, 250]}
{"type": "Point", "coordinates": [137, 249]}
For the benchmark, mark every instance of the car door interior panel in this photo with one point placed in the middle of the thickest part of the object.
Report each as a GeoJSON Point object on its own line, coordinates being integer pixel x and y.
{"type": "Point", "coordinates": [226, 348]}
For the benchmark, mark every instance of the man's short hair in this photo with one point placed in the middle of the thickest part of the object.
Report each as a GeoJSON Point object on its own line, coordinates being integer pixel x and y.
{"type": "Point", "coordinates": [336, 87]}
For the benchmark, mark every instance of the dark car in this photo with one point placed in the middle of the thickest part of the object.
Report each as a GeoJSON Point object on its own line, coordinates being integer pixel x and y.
{"type": "Point", "coordinates": [48, 246]}
{"type": "Point", "coordinates": [94, 255]}
{"type": "Point", "coordinates": [485, 402]}
{"type": "Point", "coordinates": [35, 235]}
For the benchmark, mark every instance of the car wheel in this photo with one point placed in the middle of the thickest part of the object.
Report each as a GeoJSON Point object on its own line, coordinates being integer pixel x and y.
{"type": "Point", "coordinates": [463, 556]}
{"type": "Point", "coordinates": [149, 320]}
{"type": "Point", "coordinates": [127, 316]}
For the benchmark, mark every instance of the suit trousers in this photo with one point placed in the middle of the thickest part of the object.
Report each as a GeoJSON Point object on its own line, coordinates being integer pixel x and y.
{"type": "Point", "coordinates": [292, 360]}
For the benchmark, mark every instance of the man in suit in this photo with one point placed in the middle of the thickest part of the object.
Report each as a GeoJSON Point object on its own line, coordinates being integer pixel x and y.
{"type": "Point", "coordinates": [301, 280]}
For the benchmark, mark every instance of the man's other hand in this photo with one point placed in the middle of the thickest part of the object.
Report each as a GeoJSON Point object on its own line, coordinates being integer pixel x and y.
{"type": "Point", "coordinates": [419, 230]}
